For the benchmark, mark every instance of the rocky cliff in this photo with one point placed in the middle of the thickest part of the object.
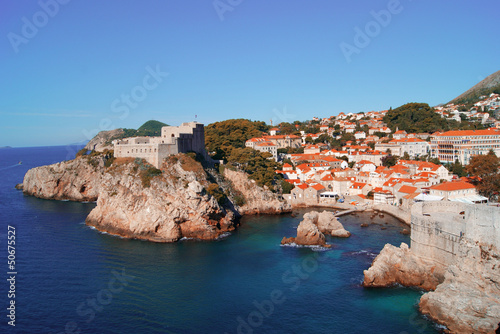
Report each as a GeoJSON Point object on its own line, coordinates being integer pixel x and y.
{"type": "Point", "coordinates": [398, 265]}
{"type": "Point", "coordinates": [136, 200]}
{"type": "Point", "coordinates": [76, 180]}
{"type": "Point", "coordinates": [256, 200]}
{"type": "Point", "coordinates": [466, 296]}
{"type": "Point", "coordinates": [102, 141]}
{"type": "Point", "coordinates": [468, 301]}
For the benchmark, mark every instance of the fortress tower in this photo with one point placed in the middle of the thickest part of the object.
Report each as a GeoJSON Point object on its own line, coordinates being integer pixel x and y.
{"type": "Point", "coordinates": [188, 137]}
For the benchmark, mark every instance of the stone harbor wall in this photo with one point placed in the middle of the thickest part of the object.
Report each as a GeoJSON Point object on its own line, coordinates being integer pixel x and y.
{"type": "Point", "coordinates": [403, 215]}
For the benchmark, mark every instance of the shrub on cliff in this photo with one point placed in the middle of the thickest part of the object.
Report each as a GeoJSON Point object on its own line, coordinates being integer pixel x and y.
{"type": "Point", "coordinates": [216, 192]}
{"type": "Point", "coordinates": [148, 174]}
{"type": "Point", "coordinates": [257, 164]}
{"type": "Point", "coordinates": [82, 152]}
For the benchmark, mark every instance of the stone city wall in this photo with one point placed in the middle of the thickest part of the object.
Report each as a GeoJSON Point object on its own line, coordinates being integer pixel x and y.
{"type": "Point", "coordinates": [403, 215]}
{"type": "Point", "coordinates": [438, 227]}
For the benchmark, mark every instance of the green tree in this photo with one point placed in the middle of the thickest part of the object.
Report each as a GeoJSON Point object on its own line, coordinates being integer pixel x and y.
{"type": "Point", "coordinates": [286, 187]}
{"type": "Point", "coordinates": [435, 161]}
{"type": "Point", "coordinates": [457, 168]}
{"type": "Point", "coordinates": [389, 160]}
{"type": "Point", "coordinates": [222, 137]}
{"type": "Point", "coordinates": [324, 138]}
{"type": "Point", "coordinates": [415, 117]}
{"type": "Point", "coordinates": [487, 168]}
{"type": "Point", "coordinates": [257, 164]}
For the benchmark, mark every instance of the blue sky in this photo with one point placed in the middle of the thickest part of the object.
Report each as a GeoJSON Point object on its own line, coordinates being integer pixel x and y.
{"type": "Point", "coordinates": [77, 66]}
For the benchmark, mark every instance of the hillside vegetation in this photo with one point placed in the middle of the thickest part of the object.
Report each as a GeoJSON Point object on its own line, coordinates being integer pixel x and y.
{"type": "Point", "coordinates": [420, 117]}
{"type": "Point", "coordinates": [415, 117]}
{"type": "Point", "coordinates": [222, 137]}
{"type": "Point", "coordinates": [151, 128]}
{"type": "Point", "coordinates": [226, 141]}
{"type": "Point", "coordinates": [489, 85]}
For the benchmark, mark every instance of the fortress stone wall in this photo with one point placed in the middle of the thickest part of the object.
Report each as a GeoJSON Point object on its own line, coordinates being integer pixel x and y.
{"type": "Point", "coordinates": [438, 227]}
{"type": "Point", "coordinates": [402, 214]}
{"type": "Point", "coordinates": [188, 137]}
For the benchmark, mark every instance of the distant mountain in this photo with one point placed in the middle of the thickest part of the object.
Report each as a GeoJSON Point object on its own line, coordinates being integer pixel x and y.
{"type": "Point", "coordinates": [83, 143]}
{"type": "Point", "coordinates": [489, 85]}
{"type": "Point", "coordinates": [151, 128]}
{"type": "Point", "coordinates": [102, 141]}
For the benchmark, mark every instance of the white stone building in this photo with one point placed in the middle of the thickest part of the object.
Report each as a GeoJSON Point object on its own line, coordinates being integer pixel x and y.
{"type": "Point", "coordinates": [188, 137]}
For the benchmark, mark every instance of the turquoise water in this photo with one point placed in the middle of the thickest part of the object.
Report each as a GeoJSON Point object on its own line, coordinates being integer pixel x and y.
{"type": "Point", "coordinates": [73, 279]}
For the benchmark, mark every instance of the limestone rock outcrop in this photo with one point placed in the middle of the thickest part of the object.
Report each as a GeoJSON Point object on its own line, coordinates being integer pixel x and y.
{"type": "Point", "coordinates": [468, 301]}
{"type": "Point", "coordinates": [256, 199]}
{"type": "Point", "coordinates": [328, 223]}
{"type": "Point", "coordinates": [398, 265]}
{"type": "Point", "coordinates": [134, 199]}
{"type": "Point", "coordinates": [76, 180]}
{"type": "Point", "coordinates": [308, 234]}
{"type": "Point", "coordinates": [312, 228]}
{"type": "Point", "coordinates": [102, 141]}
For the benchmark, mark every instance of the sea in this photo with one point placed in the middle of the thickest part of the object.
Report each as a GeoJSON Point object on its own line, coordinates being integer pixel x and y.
{"type": "Point", "coordinates": [70, 278]}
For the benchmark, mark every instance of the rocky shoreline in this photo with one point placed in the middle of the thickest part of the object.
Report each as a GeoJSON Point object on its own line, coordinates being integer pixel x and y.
{"type": "Point", "coordinates": [398, 265]}
{"type": "Point", "coordinates": [464, 296]}
{"type": "Point", "coordinates": [136, 200]}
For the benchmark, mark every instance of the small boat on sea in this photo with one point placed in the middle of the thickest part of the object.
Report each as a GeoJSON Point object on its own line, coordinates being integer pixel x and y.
{"type": "Point", "coordinates": [20, 163]}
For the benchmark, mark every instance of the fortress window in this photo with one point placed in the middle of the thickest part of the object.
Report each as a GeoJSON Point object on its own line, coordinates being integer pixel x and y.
{"type": "Point", "coordinates": [173, 135]}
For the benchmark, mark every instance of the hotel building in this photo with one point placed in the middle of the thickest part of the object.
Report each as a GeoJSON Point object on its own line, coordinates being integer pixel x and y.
{"type": "Point", "coordinates": [464, 144]}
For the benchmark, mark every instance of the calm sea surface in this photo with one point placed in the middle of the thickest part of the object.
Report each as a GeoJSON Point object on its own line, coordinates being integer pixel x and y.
{"type": "Point", "coordinates": [73, 279]}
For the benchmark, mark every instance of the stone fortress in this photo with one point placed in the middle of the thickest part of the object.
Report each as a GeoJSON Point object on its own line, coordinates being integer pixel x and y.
{"type": "Point", "coordinates": [438, 229]}
{"type": "Point", "coordinates": [188, 137]}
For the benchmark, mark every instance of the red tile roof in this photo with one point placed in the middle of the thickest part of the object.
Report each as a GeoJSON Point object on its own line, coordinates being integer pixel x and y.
{"type": "Point", "coordinates": [407, 189]}
{"type": "Point", "coordinates": [318, 187]}
{"type": "Point", "coordinates": [461, 133]}
{"type": "Point", "coordinates": [328, 177]}
{"type": "Point", "coordinates": [451, 186]}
